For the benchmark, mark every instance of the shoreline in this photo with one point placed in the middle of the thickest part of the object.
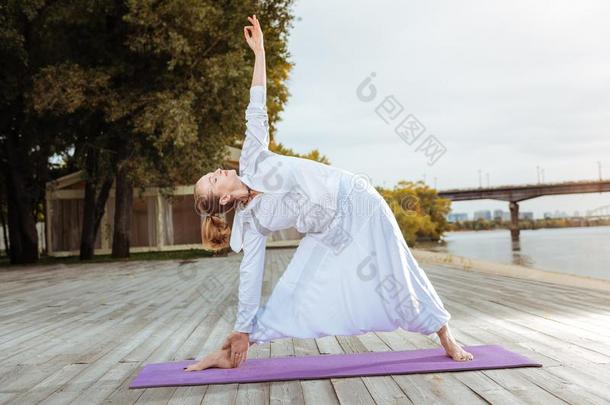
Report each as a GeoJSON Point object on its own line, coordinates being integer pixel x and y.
{"type": "Point", "coordinates": [528, 229]}
{"type": "Point", "coordinates": [511, 270]}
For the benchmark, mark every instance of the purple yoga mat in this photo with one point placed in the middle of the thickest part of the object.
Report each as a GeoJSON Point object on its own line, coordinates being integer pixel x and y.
{"type": "Point", "coordinates": [330, 365]}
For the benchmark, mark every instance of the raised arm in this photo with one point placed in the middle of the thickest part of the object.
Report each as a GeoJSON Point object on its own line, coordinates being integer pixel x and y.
{"type": "Point", "coordinates": [257, 120]}
{"type": "Point", "coordinates": [254, 38]}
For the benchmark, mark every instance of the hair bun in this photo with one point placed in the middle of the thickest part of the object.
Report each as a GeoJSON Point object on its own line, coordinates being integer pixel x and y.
{"type": "Point", "coordinates": [216, 219]}
{"type": "Point", "coordinates": [215, 232]}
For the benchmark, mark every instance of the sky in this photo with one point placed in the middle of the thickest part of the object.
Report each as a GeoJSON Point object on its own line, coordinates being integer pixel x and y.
{"type": "Point", "coordinates": [502, 90]}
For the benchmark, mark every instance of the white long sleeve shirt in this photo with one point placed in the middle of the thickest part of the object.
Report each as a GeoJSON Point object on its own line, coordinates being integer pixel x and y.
{"type": "Point", "coordinates": [252, 266]}
{"type": "Point", "coordinates": [319, 293]}
{"type": "Point", "coordinates": [296, 193]}
{"type": "Point", "coordinates": [257, 127]}
{"type": "Point", "coordinates": [251, 273]}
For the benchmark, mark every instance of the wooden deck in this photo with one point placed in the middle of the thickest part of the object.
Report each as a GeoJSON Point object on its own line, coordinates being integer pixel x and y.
{"type": "Point", "coordinates": [80, 333]}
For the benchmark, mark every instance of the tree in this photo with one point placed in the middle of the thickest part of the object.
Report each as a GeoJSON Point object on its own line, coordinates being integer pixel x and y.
{"type": "Point", "coordinates": [419, 212]}
{"type": "Point", "coordinates": [161, 89]}
{"type": "Point", "coordinates": [27, 140]}
{"type": "Point", "coordinates": [313, 154]}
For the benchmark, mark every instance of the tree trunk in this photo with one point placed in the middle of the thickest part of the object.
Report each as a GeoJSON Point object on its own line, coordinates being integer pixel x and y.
{"type": "Point", "coordinates": [122, 213]}
{"type": "Point", "coordinates": [94, 205]}
{"type": "Point", "coordinates": [3, 201]}
{"type": "Point", "coordinates": [7, 246]}
{"type": "Point", "coordinates": [23, 238]}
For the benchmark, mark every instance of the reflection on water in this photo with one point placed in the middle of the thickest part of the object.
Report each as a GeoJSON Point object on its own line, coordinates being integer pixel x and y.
{"type": "Point", "coordinates": [581, 251]}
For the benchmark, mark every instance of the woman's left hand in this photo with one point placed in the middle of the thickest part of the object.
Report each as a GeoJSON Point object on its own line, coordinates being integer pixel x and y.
{"type": "Point", "coordinates": [254, 35]}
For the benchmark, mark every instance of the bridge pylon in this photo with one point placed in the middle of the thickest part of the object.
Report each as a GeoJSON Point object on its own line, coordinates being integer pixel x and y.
{"type": "Point", "coordinates": [514, 220]}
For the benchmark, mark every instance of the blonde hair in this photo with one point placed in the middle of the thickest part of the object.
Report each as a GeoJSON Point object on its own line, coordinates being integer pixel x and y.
{"type": "Point", "coordinates": [215, 231]}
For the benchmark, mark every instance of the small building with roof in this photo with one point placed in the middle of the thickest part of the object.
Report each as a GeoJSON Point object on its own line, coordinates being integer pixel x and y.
{"type": "Point", "coordinates": [161, 220]}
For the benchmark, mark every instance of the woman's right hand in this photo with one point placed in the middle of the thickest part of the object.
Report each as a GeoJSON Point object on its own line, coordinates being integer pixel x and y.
{"type": "Point", "coordinates": [254, 35]}
{"type": "Point", "coordinates": [238, 343]}
{"type": "Point", "coordinates": [239, 349]}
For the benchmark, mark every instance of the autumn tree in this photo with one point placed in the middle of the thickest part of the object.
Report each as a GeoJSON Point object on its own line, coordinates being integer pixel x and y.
{"type": "Point", "coordinates": [419, 211]}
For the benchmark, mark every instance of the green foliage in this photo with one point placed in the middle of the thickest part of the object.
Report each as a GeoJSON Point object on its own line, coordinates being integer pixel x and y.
{"type": "Point", "coordinates": [419, 212]}
{"type": "Point", "coordinates": [539, 223]}
{"type": "Point", "coordinates": [185, 256]}
{"type": "Point", "coordinates": [167, 81]}
{"type": "Point", "coordinates": [313, 154]}
{"type": "Point", "coordinates": [160, 87]}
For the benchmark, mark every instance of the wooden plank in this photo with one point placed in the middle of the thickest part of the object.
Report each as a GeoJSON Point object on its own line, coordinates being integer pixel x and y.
{"type": "Point", "coordinates": [282, 392]}
{"type": "Point", "coordinates": [431, 387]}
{"type": "Point", "coordinates": [319, 391]}
{"type": "Point", "coordinates": [80, 333]}
{"type": "Point", "coordinates": [383, 389]}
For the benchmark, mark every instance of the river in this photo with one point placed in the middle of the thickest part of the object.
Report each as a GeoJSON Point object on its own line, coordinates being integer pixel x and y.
{"type": "Point", "coordinates": [582, 251]}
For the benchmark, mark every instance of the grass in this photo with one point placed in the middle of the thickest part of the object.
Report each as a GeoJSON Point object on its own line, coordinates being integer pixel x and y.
{"type": "Point", "coordinates": [165, 255]}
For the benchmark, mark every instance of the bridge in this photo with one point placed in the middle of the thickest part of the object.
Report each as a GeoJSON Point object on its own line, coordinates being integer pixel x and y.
{"type": "Point", "coordinates": [515, 193]}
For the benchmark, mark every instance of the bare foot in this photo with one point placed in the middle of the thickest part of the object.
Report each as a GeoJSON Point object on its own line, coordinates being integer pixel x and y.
{"type": "Point", "coordinates": [218, 359]}
{"type": "Point", "coordinates": [453, 349]}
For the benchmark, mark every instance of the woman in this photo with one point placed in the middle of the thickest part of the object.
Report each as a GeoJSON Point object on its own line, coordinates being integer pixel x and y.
{"type": "Point", "coordinates": [352, 272]}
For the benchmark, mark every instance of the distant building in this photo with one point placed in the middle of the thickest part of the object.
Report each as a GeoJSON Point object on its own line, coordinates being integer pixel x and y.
{"type": "Point", "coordinates": [526, 215]}
{"type": "Point", "coordinates": [560, 214]}
{"type": "Point", "coordinates": [482, 214]}
{"type": "Point", "coordinates": [501, 215]}
{"type": "Point", "coordinates": [547, 215]}
{"type": "Point", "coordinates": [457, 216]}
